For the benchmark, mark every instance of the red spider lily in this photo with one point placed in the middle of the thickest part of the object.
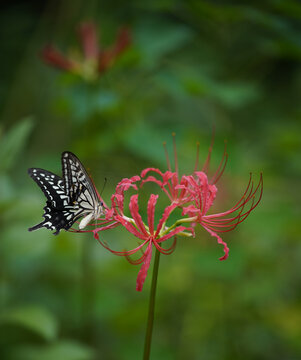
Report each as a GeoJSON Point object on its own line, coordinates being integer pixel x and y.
{"type": "Point", "coordinates": [197, 193]}
{"type": "Point", "coordinates": [95, 60]}
{"type": "Point", "coordinates": [148, 234]}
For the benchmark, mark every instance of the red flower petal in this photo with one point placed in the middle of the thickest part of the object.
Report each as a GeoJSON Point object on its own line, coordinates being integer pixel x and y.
{"type": "Point", "coordinates": [151, 212]}
{"type": "Point", "coordinates": [145, 171]}
{"type": "Point", "coordinates": [54, 57]}
{"type": "Point", "coordinates": [123, 41]}
{"type": "Point", "coordinates": [88, 38]}
{"type": "Point", "coordinates": [220, 241]}
{"type": "Point", "coordinates": [167, 251]}
{"type": "Point", "coordinates": [119, 253]}
{"type": "Point", "coordinates": [107, 57]}
{"type": "Point", "coordinates": [144, 268]}
{"type": "Point", "coordinates": [164, 218]}
{"type": "Point", "coordinates": [131, 228]}
{"type": "Point", "coordinates": [126, 183]}
{"type": "Point", "coordinates": [134, 209]}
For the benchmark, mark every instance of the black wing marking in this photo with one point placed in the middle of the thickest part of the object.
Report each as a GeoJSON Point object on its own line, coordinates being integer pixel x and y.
{"type": "Point", "coordinates": [58, 213]}
{"type": "Point", "coordinates": [78, 184]}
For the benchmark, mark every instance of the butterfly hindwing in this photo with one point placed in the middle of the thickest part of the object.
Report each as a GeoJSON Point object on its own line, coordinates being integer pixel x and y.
{"type": "Point", "coordinates": [58, 213]}
{"type": "Point", "coordinates": [51, 185]}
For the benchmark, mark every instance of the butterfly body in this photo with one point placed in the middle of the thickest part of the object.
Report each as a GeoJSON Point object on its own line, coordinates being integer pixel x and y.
{"type": "Point", "coordinates": [68, 198]}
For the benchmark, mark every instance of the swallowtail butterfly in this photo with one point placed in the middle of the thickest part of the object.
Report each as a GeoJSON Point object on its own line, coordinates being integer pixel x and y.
{"type": "Point", "coordinates": [68, 198]}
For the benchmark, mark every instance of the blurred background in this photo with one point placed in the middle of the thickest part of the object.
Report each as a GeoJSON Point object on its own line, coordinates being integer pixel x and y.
{"type": "Point", "coordinates": [188, 67]}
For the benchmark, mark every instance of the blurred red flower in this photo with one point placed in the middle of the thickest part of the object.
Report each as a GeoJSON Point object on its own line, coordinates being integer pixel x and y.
{"type": "Point", "coordinates": [95, 60]}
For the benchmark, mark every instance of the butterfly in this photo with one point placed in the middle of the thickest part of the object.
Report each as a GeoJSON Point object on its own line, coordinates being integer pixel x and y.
{"type": "Point", "coordinates": [68, 198]}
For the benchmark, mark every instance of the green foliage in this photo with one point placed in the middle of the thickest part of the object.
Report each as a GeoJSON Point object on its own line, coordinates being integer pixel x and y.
{"type": "Point", "coordinates": [31, 318]}
{"type": "Point", "coordinates": [13, 142]}
{"type": "Point", "coordinates": [68, 350]}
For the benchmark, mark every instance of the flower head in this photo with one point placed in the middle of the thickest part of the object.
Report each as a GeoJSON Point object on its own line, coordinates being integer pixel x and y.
{"type": "Point", "coordinates": [195, 194]}
{"type": "Point", "coordinates": [148, 233]}
{"type": "Point", "coordinates": [95, 60]}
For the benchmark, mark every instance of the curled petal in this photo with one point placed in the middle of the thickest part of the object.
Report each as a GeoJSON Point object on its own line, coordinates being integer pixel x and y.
{"type": "Point", "coordinates": [220, 241]}
{"type": "Point", "coordinates": [166, 176]}
{"type": "Point", "coordinates": [144, 268]}
{"type": "Point", "coordinates": [134, 209]}
{"type": "Point", "coordinates": [152, 179]}
{"type": "Point", "coordinates": [164, 218]}
{"type": "Point", "coordinates": [119, 253]}
{"type": "Point", "coordinates": [131, 228]}
{"type": "Point", "coordinates": [191, 210]}
{"type": "Point", "coordinates": [107, 227]}
{"type": "Point", "coordinates": [167, 251]}
{"type": "Point", "coordinates": [145, 171]}
{"type": "Point", "coordinates": [126, 183]}
{"type": "Point", "coordinates": [151, 212]}
{"type": "Point", "coordinates": [136, 261]}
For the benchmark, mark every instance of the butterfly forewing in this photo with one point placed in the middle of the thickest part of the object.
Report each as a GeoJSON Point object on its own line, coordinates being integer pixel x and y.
{"type": "Point", "coordinates": [78, 184]}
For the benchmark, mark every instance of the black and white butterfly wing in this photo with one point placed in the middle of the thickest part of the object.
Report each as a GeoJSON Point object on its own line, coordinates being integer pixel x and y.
{"type": "Point", "coordinates": [80, 189]}
{"type": "Point", "coordinates": [58, 214]}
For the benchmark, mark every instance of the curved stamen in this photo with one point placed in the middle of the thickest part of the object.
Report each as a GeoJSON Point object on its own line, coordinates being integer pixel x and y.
{"type": "Point", "coordinates": [221, 168]}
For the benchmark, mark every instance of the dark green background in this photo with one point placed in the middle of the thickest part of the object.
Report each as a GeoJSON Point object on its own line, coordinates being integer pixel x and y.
{"type": "Point", "coordinates": [192, 65]}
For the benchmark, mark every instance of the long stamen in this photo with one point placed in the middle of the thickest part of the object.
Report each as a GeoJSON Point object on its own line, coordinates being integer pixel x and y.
{"type": "Point", "coordinates": [197, 156]}
{"type": "Point", "coordinates": [207, 162]}
{"type": "Point", "coordinates": [205, 168]}
{"type": "Point", "coordinates": [166, 156]}
{"type": "Point", "coordinates": [175, 151]}
{"type": "Point", "coordinates": [221, 166]}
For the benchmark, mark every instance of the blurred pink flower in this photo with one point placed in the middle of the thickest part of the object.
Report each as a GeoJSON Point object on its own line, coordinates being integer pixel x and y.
{"type": "Point", "coordinates": [95, 60]}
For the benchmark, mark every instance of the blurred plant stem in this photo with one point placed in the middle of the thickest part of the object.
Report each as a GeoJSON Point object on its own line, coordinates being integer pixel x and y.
{"type": "Point", "coordinates": [87, 286]}
{"type": "Point", "coordinates": [151, 308]}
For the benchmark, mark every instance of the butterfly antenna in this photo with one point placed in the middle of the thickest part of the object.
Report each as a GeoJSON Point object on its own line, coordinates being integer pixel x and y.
{"type": "Point", "coordinates": [102, 190]}
{"type": "Point", "coordinates": [104, 185]}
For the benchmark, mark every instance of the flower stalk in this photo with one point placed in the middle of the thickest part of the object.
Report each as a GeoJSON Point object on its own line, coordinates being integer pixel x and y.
{"type": "Point", "coordinates": [151, 308]}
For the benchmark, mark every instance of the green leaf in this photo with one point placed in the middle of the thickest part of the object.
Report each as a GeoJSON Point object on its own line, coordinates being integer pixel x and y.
{"type": "Point", "coordinates": [65, 350]}
{"type": "Point", "coordinates": [157, 38]}
{"type": "Point", "coordinates": [12, 142]}
{"type": "Point", "coordinates": [33, 318]}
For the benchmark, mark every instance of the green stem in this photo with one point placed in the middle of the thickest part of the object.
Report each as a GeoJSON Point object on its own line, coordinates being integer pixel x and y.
{"type": "Point", "coordinates": [179, 222]}
{"type": "Point", "coordinates": [151, 308]}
